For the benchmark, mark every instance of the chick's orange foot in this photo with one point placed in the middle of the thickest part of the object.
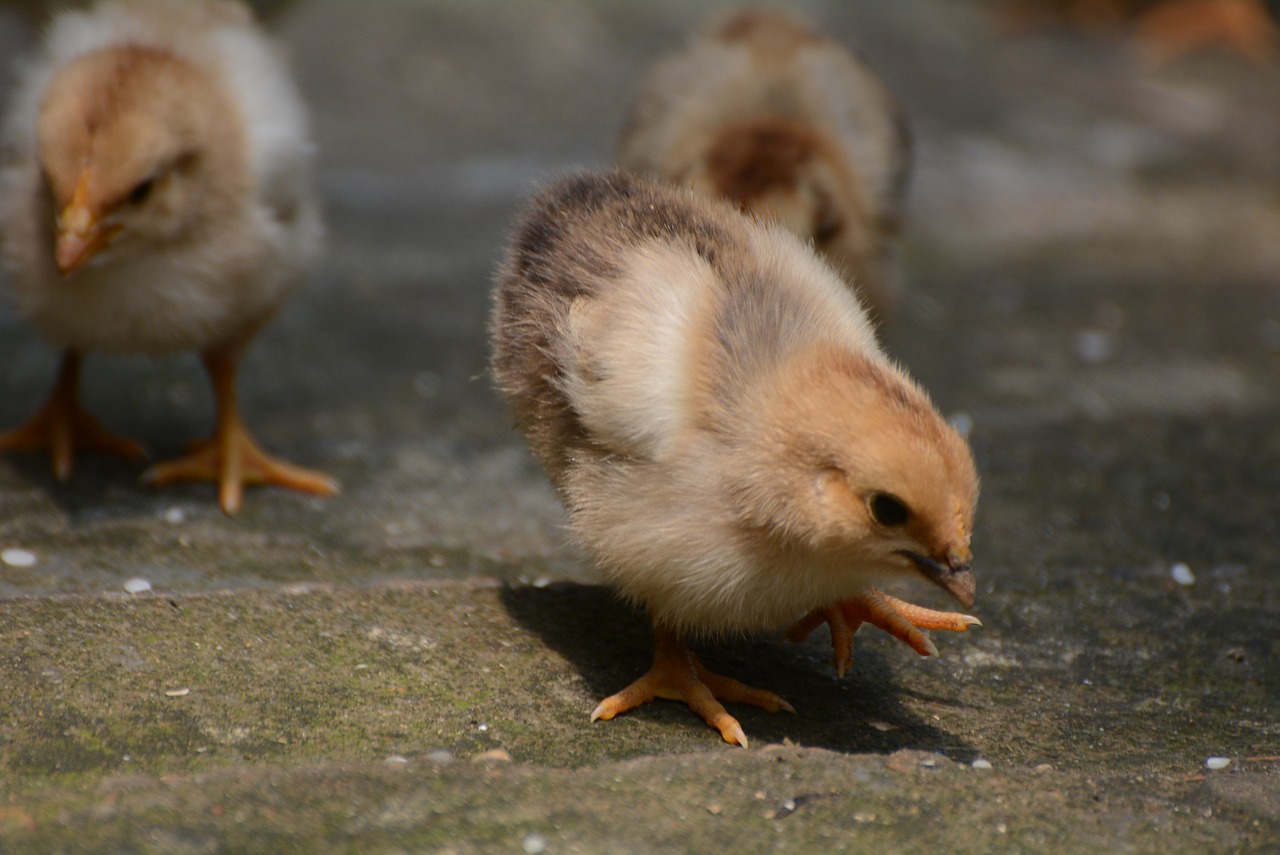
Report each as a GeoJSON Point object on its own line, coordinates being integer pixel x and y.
{"type": "Point", "coordinates": [232, 458]}
{"type": "Point", "coordinates": [63, 426]}
{"type": "Point", "coordinates": [897, 617]}
{"type": "Point", "coordinates": [677, 675]}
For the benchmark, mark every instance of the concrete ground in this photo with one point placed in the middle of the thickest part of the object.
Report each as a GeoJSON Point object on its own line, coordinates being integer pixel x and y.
{"type": "Point", "coordinates": [1091, 273]}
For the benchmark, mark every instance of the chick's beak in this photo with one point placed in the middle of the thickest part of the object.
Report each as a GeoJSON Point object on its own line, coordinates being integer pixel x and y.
{"type": "Point", "coordinates": [954, 576]}
{"type": "Point", "coordinates": [80, 233]}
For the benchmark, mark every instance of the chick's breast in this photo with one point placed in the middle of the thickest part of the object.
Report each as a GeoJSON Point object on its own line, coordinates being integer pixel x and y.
{"type": "Point", "coordinates": [633, 329]}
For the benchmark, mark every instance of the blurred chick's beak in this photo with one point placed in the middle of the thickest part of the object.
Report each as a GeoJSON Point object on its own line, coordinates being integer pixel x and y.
{"type": "Point", "coordinates": [81, 235]}
{"type": "Point", "coordinates": [953, 577]}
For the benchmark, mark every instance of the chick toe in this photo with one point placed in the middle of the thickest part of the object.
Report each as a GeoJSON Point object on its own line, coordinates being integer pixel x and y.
{"type": "Point", "coordinates": [63, 426]}
{"type": "Point", "coordinates": [677, 675]}
{"type": "Point", "coordinates": [232, 458]}
{"type": "Point", "coordinates": [897, 617]}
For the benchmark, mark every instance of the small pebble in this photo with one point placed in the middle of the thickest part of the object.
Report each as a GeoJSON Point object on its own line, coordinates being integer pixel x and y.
{"type": "Point", "coordinates": [981, 763]}
{"type": "Point", "coordinates": [883, 726]}
{"type": "Point", "coordinates": [178, 693]}
{"type": "Point", "coordinates": [18, 557]}
{"type": "Point", "coordinates": [137, 585]}
{"type": "Point", "coordinates": [396, 760]}
{"type": "Point", "coordinates": [493, 755]}
{"type": "Point", "coordinates": [1217, 763]}
{"type": "Point", "coordinates": [1182, 574]}
{"type": "Point", "coordinates": [534, 843]}
{"type": "Point", "coordinates": [484, 728]}
{"type": "Point", "coordinates": [174, 516]}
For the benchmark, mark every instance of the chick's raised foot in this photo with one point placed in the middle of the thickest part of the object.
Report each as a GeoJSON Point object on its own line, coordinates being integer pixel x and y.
{"type": "Point", "coordinates": [897, 617]}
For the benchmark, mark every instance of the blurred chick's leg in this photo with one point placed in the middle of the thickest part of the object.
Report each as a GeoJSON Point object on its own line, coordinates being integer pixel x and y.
{"type": "Point", "coordinates": [62, 426]}
{"type": "Point", "coordinates": [232, 457]}
{"type": "Point", "coordinates": [677, 675]}
{"type": "Point", "coordinates": [897, 617]}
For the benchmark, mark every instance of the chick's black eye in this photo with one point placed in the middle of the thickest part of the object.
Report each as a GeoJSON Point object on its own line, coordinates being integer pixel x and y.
{"type": "Point", "coordinates": [887, 510]}
{"type": "Point", "coordinates": [141, 191]}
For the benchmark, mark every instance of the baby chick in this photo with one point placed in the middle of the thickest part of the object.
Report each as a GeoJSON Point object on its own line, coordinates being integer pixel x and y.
{"type": "Point", "coordinates": [763, 111]}
{"type": "Point", "coordinates": [155, 196]}
{"type": "Point", "coordinates": [731, 445]}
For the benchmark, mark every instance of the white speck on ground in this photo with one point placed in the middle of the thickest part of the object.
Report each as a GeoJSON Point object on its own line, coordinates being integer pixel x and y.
{"type": "Point", "coordinates": [18, 557]}
{"type": "Point", "coordinates": [534, 843]}
{"type": "Point", "coordinates": [1182, 574]}
{"type": "Point", "coordinates": [1217, 763]}
{"type": "Point", "coordinates": [981, 763]}
{"type": "Point", "coordinates": [137, 585]}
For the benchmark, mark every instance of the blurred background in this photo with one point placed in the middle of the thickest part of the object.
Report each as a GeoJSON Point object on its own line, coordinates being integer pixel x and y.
{"type": "Point", "coordinates": [1090, 263]}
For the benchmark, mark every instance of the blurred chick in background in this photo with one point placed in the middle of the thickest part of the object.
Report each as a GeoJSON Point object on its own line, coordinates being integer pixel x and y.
{"type": "Point", "coordinates": [156, 196]}
{"type": "Point", "coordinates": [731, 445]}
{"type": "Point", "coordinates": [762, 110]}
{"type": "Point", "coordinates": [1165, 29]}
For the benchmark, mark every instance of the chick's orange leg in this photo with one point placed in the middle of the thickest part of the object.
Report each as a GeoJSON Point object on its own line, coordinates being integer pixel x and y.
{"type": "Point", "coordinates": [677, 675]}
{"type": "Point", "coordinates": [63, 426]}
{"type": "Point", "coordinates": [897, 617]}
{"type": "Point", "coordinates": [232, 458]}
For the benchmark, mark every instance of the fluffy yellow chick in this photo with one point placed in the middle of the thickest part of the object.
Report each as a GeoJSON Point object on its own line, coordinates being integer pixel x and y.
{"type": "Point", "coordinates": [156, 196]}
{"type": "Point", "coordinates": [732, 447]}
{"type": "Point", "coordinates": [761, 110]}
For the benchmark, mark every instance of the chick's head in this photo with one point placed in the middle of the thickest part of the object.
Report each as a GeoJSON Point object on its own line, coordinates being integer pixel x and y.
{"type": "Point", "coordinates": [852, 464]}
{"type": "Point", "coordinates": [138, 151]}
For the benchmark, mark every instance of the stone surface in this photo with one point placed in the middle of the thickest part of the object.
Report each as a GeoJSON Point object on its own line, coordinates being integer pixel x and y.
{"type": "Point", "coordinates": [1091, 283]}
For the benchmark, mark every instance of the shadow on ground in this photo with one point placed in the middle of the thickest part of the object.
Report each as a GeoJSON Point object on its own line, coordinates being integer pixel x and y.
{"type": "Point", "coordinates": [610, 644]}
